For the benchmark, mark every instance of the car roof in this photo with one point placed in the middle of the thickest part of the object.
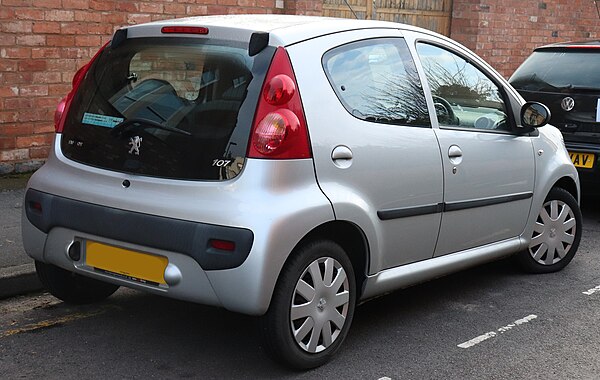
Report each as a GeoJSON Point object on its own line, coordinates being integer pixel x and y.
{"type": "Point", "coordinates": [283, 29]}
{"type": "Point", "coordinates": [589, 44]}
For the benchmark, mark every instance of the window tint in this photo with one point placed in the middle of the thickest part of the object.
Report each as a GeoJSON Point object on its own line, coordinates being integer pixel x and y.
{"type": "Point", "coordinates": [169, 108]}
{"type": "Point", "coordinates": [553, 70]}
{"type": "Point", "coordinates": [376, 80]}
{"type": "Point", "coordinates": [463, 95]}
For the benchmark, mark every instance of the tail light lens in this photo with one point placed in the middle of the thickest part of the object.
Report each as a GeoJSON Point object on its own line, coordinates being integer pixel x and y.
{"type": "Point", "coordinates": [279, 129]}
{"type": "Point", "coordinates": [63, 106]}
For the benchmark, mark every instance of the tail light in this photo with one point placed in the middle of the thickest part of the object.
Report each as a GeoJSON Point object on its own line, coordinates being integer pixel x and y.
{"type": "Point", "coordinates": [279, 129]}
{"type": "Point", "coordinates": [63, 106]}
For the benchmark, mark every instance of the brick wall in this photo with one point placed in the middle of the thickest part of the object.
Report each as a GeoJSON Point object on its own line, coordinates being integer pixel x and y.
{"type": "Point", "coordinates": [504, 32]}
{"type": "Point", "coordinates": [43, 43]}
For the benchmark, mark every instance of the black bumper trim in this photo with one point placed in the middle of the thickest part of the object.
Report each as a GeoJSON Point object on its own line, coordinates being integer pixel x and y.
{"type": "Point", "coordinates": [46, 211]}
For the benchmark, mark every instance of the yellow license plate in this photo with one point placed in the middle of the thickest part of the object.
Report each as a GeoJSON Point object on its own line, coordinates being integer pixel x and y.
{"type": "Point", "coordinates": [124, 262]}
{"type": "Point", "coordinates": [582, 160]}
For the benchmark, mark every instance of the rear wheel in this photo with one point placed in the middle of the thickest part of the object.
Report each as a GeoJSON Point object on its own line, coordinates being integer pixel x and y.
{"type": "Point", "coordinates": [556, 234]}
{"type": "Point", "coordinates": [71, 287]}
{"type": "Point", "coordinates": [312, 306]}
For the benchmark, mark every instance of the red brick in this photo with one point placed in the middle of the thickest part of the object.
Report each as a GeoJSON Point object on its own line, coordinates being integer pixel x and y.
{"type": "Point", "coordinates": [17, 103]}
{"type": "Point", "coordinates": [114, 18]}
{"type": "Point", "coordinates": [35, 140]}
{"type": "Point", "coordinates": [34, 90]}
{"type": "Point", "coordinates": [86, 16]}
{"type": "Point", "coordinates": [102, 5]}
{"type": "Point", "coordinates": [88, 41]}
{"type": "Point", "coordinates": [46, 102]}
{"type": "Point", "coordinates": [19, 78]}
{"type": "Point", "coordinates": [60, 40]}
{"type": "Point", "coordinates": [47, 77]}
{"type": "Point", "coordinates": [45, 53]}
{"type": "Point", "coordinates": [14, 155]}
{"type": "Point", "coordinates": [46, 27]}
{"type": "Point", "coordinates": [44, 127]}
{"type": "Point", "coordinates": [17, 129]}
{"type": "Point", "coordinates": [8, 65]}
{"type": "Point", "coordinates": [7, 143]}
{"type": "Point", "coordinates": [9, 116]}
{"type": "Point", "coordinates": [46, 4]}
{"type": "Point", "coordinates": [73, 28]}
{"type": "Point", "coordinates": [29, 14]}
{"type": "Point", "coordinates": [129, 7]}
{"type": "Point", "coordinates": [151, 8]}
{"type": "Point", "coordinates": [17, 27]}
{"type": "Point", "coordinates": [7, 39]}
{"type": "Point", "coordinates": [75, 4]}
{"type": "Point", "coordinates": [17, 3]}
{"type": "Point", "coordinates": [175, 9]}
{"type": "Point", "coordinates": [40, 152]}
{"type": "Point", "coordinates": [31, 40]}
{"type": "Point", "coordinates": [33, 65]}
{"type": "Point", "coordinates": [11, 90]}
{"type": "Point", "coordinates": [137, 18]}
{"type": "Point", "coordinates": [59, 89]}
{"type": "Point", "coordinates": [59, 15]}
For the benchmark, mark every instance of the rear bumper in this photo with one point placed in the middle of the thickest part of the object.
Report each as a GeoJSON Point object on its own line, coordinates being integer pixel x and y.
{"type": "Point", "coordinates": [267, 209]}
{"type": "Point", "coordinates": [46, 211]}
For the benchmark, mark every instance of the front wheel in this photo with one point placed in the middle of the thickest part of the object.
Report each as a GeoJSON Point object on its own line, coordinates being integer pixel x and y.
{"type": "Point", "coordinates": [312, 306]}
{"type": "Point", "coordinates": [556, 234]}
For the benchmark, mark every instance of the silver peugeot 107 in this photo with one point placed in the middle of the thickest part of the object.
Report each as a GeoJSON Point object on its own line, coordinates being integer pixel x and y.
{"type": "Point", "coordinates": [289, 167]}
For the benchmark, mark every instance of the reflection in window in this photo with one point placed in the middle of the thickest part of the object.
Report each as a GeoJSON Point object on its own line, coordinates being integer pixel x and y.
{"type": "Point", "coordinates": [463, 96]}
{"type": "Point", "coordinates": [376, 80]}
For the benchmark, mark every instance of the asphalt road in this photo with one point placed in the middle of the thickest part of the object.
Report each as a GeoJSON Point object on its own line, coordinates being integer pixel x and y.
{"type": "Point", "coordinates": [492, 322]}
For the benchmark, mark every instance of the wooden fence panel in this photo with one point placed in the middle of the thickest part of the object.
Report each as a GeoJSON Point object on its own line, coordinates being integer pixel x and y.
{"type": "Point", "coordinates": [434, 15]}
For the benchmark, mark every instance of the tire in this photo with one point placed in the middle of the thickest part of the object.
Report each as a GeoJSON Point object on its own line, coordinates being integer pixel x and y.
{"type": "Point", "coordinates": [71, 287]}
{"type": "Point", "coordinates": [317, 285]}
{"type": "Point", "coordinates": [556, 234]}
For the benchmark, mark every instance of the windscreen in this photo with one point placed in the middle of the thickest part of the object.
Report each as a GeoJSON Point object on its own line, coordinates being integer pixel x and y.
{"type": "Point", "coordinates": [549, 70]}
{"type": "Point", "coordinates": [166, 107]}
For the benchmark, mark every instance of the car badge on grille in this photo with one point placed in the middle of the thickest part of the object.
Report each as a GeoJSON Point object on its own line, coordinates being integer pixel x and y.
{"type": "Point", "coordinates": [567, 103]}
{"type": "Point", "coordinates": [136, 143]}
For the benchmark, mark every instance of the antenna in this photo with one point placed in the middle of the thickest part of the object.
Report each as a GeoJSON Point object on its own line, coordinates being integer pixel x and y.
{"type": "Point", "coordinates": [351, 10]}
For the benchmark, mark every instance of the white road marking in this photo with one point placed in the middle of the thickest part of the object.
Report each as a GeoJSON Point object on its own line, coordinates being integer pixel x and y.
{"type": "Point", "coordinates": [592, 290]}
{"type": "Point", "coordinates": [501, 330]}
{"type": "Point", "coordinates": [385, 378]}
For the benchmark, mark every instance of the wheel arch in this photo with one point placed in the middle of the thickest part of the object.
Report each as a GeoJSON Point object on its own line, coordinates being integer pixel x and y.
{"type": "Point", "coordinates": [352, 240]}
{"type": "Point", "coordinates": [569, 185]}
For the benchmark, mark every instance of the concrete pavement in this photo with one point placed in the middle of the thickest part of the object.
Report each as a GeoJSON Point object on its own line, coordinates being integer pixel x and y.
{"type": "Point", "coordinates": [17, 271]}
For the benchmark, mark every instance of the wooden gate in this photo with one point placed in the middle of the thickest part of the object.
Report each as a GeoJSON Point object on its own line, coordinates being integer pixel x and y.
{"type": "Point", "coordinates": [434, 15]}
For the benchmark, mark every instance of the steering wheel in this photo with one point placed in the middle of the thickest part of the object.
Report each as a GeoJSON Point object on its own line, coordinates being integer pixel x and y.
{"type": "Point", "coordinates": [444, 111]}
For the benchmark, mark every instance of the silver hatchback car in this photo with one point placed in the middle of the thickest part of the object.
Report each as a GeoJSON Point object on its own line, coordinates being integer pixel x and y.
{"type": "Point", "coordinates": [289, 167]}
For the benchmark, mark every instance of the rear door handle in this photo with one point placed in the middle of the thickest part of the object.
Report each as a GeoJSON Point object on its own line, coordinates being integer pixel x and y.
{"type": "Point", "coordinates": [455, 154]}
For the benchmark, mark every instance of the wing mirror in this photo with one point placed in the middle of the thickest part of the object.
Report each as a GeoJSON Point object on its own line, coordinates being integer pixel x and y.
{"type": "Point", "coordinates": [534, 115]}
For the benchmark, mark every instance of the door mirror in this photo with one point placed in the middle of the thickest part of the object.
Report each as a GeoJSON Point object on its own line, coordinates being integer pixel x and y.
{"type": "Point", "coordinates": [534, 115]}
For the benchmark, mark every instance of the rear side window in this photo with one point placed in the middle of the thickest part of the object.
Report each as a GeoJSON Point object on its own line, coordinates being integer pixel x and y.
{"type": "Point", "coordinates": [554, 70]}
{"type": "Point", "coordinates": [165, 107]}
{"type": "Point", "coordinates": [376, 80]}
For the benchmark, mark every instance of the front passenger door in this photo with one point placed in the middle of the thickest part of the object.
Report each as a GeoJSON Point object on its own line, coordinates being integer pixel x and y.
{"type": "Point", "coordinates": [488, 168]}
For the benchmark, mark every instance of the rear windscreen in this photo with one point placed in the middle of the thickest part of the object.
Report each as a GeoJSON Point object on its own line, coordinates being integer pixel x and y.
{"type": "Point", "coordinates": [166, 107]}
{"type": "Point", "coordinates": [549, 70]}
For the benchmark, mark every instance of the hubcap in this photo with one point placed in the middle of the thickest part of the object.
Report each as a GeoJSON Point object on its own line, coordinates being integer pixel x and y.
{"type": "Point", "coordinates": [320, 305]}
{"type": "Point", "coordinates": [553, 234]}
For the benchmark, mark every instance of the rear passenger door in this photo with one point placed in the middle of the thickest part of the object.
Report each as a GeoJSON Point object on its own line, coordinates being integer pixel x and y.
{"type": "Point", "coordinates": [376, 156]}
{"type": "Point", "coordinates": [488, 168]}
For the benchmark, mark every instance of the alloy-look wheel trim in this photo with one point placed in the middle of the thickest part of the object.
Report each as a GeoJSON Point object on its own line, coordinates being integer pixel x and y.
{"type": "Point", "coordinates": [554, 233]}
{"type": "Point", "coordinates": [320, 305]}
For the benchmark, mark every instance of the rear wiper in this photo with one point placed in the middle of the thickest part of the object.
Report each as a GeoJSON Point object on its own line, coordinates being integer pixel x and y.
{"type": "Point", "coordinates": [145, 123]}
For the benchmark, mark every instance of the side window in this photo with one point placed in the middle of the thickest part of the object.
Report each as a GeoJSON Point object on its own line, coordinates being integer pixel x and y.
{"type": "Point", "coordinates": [462, 94]}
{"type": "Point", "coordinates": [376, 80]}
